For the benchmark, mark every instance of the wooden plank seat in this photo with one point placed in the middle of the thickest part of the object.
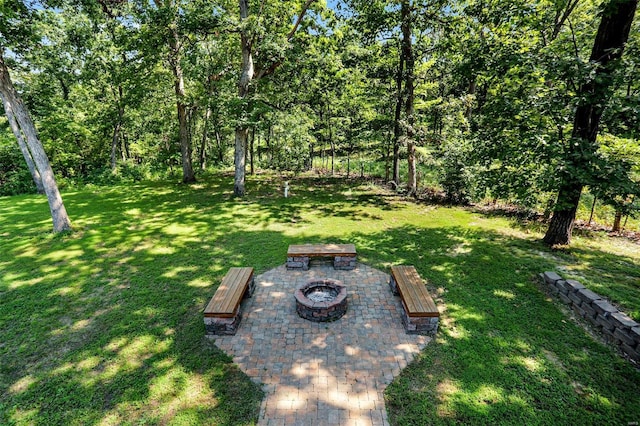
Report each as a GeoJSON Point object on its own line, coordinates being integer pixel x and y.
{"type": "Point", "coordinates": [420, 313]}
{"type": "Point", "coordinates": [222, 315]}
{"type": "Point", "coordinates": [344, 255]}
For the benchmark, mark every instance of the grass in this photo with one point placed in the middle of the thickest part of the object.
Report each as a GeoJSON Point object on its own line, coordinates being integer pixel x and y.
{"type": "Point", "coordinates": [103, 325]}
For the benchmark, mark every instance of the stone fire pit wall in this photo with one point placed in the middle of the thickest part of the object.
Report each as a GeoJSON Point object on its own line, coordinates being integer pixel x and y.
{"type": "Point", "coordinates": [616, 327]}
{"type": "Point", "coordinates": [321, 311]}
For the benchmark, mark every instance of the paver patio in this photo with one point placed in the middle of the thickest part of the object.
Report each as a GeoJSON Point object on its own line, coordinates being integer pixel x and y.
{"type": "Point", "coordinates": [322, 373]}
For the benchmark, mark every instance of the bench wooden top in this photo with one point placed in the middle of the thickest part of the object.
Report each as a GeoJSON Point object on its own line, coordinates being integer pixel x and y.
{"type": "Point", "coordinates": [415, 297]}
{"type": "Point", "coordinates": [321, 250]}
{"type": "Point", "coordinates": [226, 300]}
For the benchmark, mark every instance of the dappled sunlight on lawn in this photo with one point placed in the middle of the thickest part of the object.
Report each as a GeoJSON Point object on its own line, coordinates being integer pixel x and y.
{"type": "Point", "coordinates": [199, 282]}
{"type": "Point", "coordinates": [178, 270]}
{"type": "Point", "coordinates": [530, 363]}
{"type": "Point", "coordinates": [503, 293]}
{"type": "Point", "coordinates": [103, 325]}
{"type": "Point", "coordinates": [22, 384]}
{"type": "Point", "coordinates": [179, 229]}
{"type": "Point", "coordinates": [462, 313]}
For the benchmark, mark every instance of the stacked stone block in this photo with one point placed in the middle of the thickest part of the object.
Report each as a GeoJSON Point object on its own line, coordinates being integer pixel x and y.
{"type": "Point", "coordinates": [420, 325]}
{"type": "Point", "coordinates": [345, 263]}
{"type": "Point", "coordinates": [393, 285]}
{"type": "Point", "coordinates": [616, 327]}
{"type": "Point", "coordinates": [222, 326]}
{"type": "Point", "coordinates": [298, 262]}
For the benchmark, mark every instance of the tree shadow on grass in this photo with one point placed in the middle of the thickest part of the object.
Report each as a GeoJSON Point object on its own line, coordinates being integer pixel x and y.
{"type": "Point", "coordinates": [610, 275]}
{"type": "Point", "coordinates": [505, 354]}
{"type": "Point", "coordinates": [104, 325]}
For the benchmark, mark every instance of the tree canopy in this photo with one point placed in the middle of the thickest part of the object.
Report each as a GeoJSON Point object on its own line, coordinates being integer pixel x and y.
{"type": "Point", "coordinates": [473, 99]}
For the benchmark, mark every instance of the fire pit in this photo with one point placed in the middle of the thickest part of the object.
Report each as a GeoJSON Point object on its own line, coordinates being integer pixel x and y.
{"type": "Point", "coordinates": [321, 300]}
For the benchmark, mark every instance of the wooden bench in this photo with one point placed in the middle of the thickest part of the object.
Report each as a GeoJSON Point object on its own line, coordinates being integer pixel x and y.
{"type": "Point", "coordinates": [222, 314]}
{"type": "Point", "coordinates": [421, 315]}
{"type": "Point", "coordinates": [344, 255]}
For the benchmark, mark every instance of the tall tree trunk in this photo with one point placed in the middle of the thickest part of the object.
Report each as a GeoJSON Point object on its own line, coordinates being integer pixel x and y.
{"type": "Point", "coordinates": [125, 142]}
{"type": "Point", "coordinates": [407, 52]}
{"type": "Point", "coordinates": [397, 127]}
{"type": "Point", "coordinates": [251, 152]}
{"type": "Point", "coordinates": [219, 145]}
{"type": "Point", "coordinates": [239, 161]}
{"type": "Point", "coordinates": [248, 73]}
{"type": "Point", "coordinates": [387, 162]}
{"type": "Point", "coordinates": [203, 142]}
{"type": "Point", "coordinates": [616, 221]}
{"type": "Point", "coordinates": [563, 219]}
{"type": "Point", "coordinates": [471, 91]}
{"type": "Point", "coordinates": [593, 209]}
{"type": "Point", "coordinates": [115, 141]}
{"type": "Point", "coordinates": [269, 146]}
{"type": "Point", "coordinates": [188, 175]}
{"type": "Point", "coordinates": [192, 124]}
{"type": "Point", "coordinates": [608, 46]}
{"type": "Point", "coordinates": [117, 128]}
{"type": "Point", "coordinates": [13, 106]}
{"type": "Point", "coordinates": [242, 131]}
{"type": "Point", "coordinates": [24, 149]}
{"type": "Point", "coordinates": [332, 143]}
{"type": "Point", "coordinates": [333, 151]}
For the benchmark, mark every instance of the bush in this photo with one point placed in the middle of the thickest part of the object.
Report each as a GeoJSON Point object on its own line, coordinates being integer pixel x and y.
{"type": "Point", "coordinates": [453, 175]}
{"type": "Point", "coordinates": [125, 172]}
{"type": "Point", "coordinates": [15, 177]}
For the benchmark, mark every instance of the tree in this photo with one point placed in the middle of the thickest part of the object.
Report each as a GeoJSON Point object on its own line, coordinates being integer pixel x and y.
{"type": "Point", "coordinates": [14, 107]}
{"type": "Point", "coordinates": [249, 43]}
{"type": "Point", "coordinates": [17, 33]}
{"type": "Point", "coordinates": [613, 32]}
{"type": "Point", "coordinates": [15, 128]}
{"type": "Point", "coordinates": [170, 26]}
{"type": "Point", "coordinates": [406, 19]}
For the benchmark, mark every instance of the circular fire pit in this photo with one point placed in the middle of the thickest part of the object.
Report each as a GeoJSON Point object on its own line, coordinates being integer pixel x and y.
{"type": "Point", "coordinates": [321, 300]}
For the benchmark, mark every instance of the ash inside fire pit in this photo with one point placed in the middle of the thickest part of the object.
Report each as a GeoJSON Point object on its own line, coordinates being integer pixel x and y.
{"type": "Point", "coordinates": [321, 300]}
{"type": "Point", "coordinates": [321, 294]}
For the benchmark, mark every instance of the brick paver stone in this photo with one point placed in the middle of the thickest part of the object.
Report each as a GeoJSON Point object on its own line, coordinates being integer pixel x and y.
{"type": "Point", "coordinates": [330, 373]}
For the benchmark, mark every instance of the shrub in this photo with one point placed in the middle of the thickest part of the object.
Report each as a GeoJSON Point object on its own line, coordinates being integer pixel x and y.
{"type": "Point", "coordinates": [15, 177]}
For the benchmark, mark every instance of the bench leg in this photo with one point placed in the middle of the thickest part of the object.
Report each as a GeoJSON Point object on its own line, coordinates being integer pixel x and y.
{"type": "Point", "coordinates": [222, 326]}
{"type": "Point", "coordinates": [250, 289]}
{"type": "Point", "coordinates": [393, 286]}
{"type": "Point", "coordinates": [420, 325]}
{"type": "Point", "coordinates": [345, 263]}
{"type": "Point", "coordinates": [301, 262]}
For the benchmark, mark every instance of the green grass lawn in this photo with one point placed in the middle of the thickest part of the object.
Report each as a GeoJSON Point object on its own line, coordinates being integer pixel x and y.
{"type": "Point", "coordinates": [103, 326]}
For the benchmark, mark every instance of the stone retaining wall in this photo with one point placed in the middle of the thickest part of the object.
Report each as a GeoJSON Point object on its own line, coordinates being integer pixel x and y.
{"type": "Point", "coordinates": [616, 327]}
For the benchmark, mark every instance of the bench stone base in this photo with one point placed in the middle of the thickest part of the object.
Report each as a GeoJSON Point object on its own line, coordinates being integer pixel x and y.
{"type": "Point", "coordinates": [250, 289]}
{"type": "Point", "coordinates": [420, 325]}
{"type": "Point", "coordinates": [222, 326]}
{"type": "Point", "coordinates": [393, 286]}
{"type": "Point", "coordinates": [343, 263]}
{"type": "Point", "coordinates": [301, 262]}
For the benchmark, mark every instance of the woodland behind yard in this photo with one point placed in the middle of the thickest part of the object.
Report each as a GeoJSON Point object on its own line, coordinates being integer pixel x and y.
{"type": "Point", "coordinates": [531, 103]}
